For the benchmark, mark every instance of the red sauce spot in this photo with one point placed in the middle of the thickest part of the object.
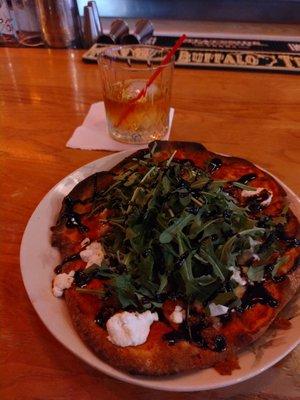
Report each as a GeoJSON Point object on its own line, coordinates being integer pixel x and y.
{"type": "Point", "coordinates": [95, 284]}
{"type": "Point", "coordinates": [228, 365]}
{"type": "Point", "coordinates": [169, 307]}
{"type": "Point", "coordinates": [157, 330]}
{"type": "Point", "coordinates": [282, 323]}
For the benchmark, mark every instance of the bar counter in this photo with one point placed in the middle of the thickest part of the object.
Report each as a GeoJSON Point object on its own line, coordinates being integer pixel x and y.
{"type": "Point", "coordinates": [44, 95]}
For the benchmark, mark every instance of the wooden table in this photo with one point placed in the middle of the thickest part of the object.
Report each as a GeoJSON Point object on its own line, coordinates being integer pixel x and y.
{"type": "Point", "coordinates": [44, 95]}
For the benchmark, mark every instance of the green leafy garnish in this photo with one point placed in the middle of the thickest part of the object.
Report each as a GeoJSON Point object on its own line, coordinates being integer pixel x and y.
{"type": "Point", "coordinates": [244, 187]}
{"type": "Point", "coordinates": [176, 232]}
{"type": "Point", "coordinates": [225, 298]}
{"type": "Point", "coordinates": [278, 264]}
{"type": "Point", "coordinates": [168, 234]}
{"type": "Point", "coordinates": [256, 273]}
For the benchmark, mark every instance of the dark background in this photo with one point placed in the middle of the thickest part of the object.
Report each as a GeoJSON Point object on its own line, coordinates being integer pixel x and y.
{"type": "Point", "coordinates": [283, 11]}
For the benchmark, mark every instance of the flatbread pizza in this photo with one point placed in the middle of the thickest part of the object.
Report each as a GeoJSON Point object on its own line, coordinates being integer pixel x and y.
{"type": "Point", "coordinates": [176, 258]}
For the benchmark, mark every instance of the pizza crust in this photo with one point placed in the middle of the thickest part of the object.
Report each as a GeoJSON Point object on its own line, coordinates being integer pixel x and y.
{"type": "Point", "coordinates": [156, 356]}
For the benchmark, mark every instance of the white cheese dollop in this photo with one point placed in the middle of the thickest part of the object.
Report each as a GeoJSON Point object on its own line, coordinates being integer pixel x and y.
{"type": "Point", "coordinates": [253, 243]}
{"type": "Point", "coordinates": [178, 315]}
{"type": "Point", "coordinates": [92, 254]}
{"type": "Point", "coordinates": [236, 276]}
{"type": "Point", "coordinates": [217, 309]}
{"type": "Point", "coordinates": [61, 282]}
{"type": "Point", "coordinates": [130, 329]}
{"type": "Point", "coordinates": [251, 193]}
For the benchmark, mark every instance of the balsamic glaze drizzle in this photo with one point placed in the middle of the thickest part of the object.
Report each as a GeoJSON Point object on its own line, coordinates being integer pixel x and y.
{"type": "Point", "coordinates": [254, 203]}
{"type": "Point", "coordinates": [245, 179]}
{"type": "Point", "coordinates": [191, 330]}
{"type": "Point", "coordinates": [73, 219]}
{"type": "Point", "coordinates": [103, 316]}
{"type": "Point", "coordinates": [257, 294]}
{"type": "Point", "coordinates": [180, 260]}
{"type": "Point", "coordinates": [72, 257]}
{"type": "Point", "coordinates": [220, 343]}
{"type": "Point", "coordinates": [279, 279]}
{"type": "Point", "coordinates": [296, 264]}
{"type": "Point", "coordinates": [214, 165]}
{"type": "Point", "coordinates": [173, 337]}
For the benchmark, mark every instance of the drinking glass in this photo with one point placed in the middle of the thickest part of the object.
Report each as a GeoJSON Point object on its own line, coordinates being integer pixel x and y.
{"type": "Point", "coordinates": [125, 71]}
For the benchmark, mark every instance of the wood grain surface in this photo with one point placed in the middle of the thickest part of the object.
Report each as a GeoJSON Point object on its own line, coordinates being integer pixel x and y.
{"type": "Point", "coordinates": [44, 96]}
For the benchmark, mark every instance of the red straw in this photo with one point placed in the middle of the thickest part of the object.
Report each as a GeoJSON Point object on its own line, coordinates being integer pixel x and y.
{"type": "Point", "coordinates": [143, 92]}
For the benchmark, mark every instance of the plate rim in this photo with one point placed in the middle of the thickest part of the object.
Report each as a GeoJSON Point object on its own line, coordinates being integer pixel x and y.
{"type": "Point", "coordinates": [116, 373]}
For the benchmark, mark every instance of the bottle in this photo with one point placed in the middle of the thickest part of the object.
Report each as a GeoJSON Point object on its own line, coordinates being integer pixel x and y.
{"type": "Point", "coordinates": [28, 26]}
{"type": "Point", "coordinates": [8, 29]}
{"type": "Point", "coordinates": [60, 23]}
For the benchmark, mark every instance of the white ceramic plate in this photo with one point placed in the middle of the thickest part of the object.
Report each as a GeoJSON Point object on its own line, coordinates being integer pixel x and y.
{"type": "Point", "coordinates": [38, 260]}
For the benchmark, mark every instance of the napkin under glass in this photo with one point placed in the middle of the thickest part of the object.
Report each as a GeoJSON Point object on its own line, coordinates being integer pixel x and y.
{"type": "Point", "coordinates": [93, 133]}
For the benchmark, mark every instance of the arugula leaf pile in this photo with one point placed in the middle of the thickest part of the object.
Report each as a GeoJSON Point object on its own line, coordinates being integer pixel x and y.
{"type": "Point", "coordinates": [175, 232]}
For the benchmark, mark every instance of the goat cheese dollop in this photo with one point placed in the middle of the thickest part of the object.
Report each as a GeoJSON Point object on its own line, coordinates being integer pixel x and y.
{"type": "Point", "coordinates": [217, 309]}
{"type": "Point", "coordinates": [251, 193]}
{"type": "Point", "coordinates": [253, 243]}
{"type": "Point", "coordinates": [130, 329]}
{"type": "Point", "coordinates": [178, 315]}
{"type": "Point", "coordinates": [236, 276]}
{"type": "Point", "coordinates": [61, 282]}
{"type": "Point", "coordinates": [92, 254]}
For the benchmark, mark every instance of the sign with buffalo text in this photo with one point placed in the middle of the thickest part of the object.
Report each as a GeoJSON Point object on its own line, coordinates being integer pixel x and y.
{"type": "Point", "coordinates": [259, 55]}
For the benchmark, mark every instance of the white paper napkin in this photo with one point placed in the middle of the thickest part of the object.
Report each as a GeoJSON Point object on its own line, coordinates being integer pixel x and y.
{"type": "Point", "coordinates": [93, 133]}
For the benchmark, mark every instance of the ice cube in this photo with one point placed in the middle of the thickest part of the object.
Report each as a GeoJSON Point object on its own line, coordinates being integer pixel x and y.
{"type": "Point", "coordinates": [133, 88]}
{"type": "Point", "coordinates": [152, 90]}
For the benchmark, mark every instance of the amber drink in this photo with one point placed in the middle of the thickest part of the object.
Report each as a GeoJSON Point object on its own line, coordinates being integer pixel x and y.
{"type": "Point", "coordinates": [125, 72]}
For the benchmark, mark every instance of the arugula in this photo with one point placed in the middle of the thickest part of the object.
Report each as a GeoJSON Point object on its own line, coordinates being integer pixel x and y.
{"type": "Point", "coordinates": [281, 261]}
{"type": "Point", "coordinates": [175, 230]}
{"type": "Point", "coordinates": [168, 234]}
{"type": "Point", "coordinates": [225, 298]}
{"type": "Point", "coordinates": [244, 187]}
{"type": "Point", "coordinates": [256, 273]}
{"type": "Point", "coordinates": [208, 254]}
{"type": "Point", "coordinates": [229, 245]}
